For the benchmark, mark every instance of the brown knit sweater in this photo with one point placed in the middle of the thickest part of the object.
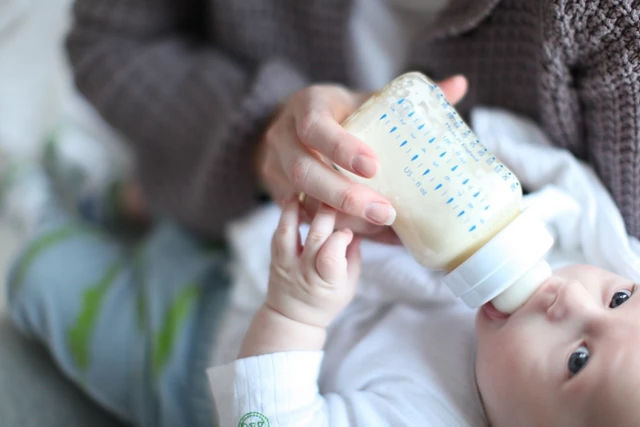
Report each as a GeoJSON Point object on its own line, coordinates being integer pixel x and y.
{"type": "Point", "coordinates": [191, 82]}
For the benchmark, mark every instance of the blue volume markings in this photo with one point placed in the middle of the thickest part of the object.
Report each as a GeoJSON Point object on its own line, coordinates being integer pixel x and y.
{"type": "Point", "coordinates": [411, 113]}
{"type": "Point", "coordinates": [454, 168]}
{"type": "Point", "coordinates": [443, 153]}
{"type": "Point", "coordinates": [403, 143]}
{"type": "Point", "coordinates": [393, 129]}
{"type": "Point", "coordinates": [465, 181]}
{"type": "Point", "coordinates": [438, 186]}
{"type": "Point", "coordinates": [421, 126]}
{"type": "Point", "coordinates": [450, 200]}
{"type": "Point", "coordinates": [473, 227]}
{"type": "Point", "coordinates": [432, 139]}
{"type": "Point", "coordinates": [401, 101]}
{"type": "Point", "coordinates": [476, 195]}
{"type": "Point", "coordinates": [461, 213]}
{"type": "Point", "coordinates": [426, 172]}
{"type": "Point", "coordinates": [383, 116]}
{"type": "Point", "coordinates": [414, 157]}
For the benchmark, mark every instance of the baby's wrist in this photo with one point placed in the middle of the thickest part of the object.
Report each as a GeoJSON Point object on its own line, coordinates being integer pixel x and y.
{"type": "Point", "coordinates": [273, 332]}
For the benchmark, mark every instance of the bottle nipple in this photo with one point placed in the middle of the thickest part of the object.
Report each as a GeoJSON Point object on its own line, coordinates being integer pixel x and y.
{"type": "Point", "coordinates": [507, 269]}
{"type": "Point", "coordinates": [519, 292]}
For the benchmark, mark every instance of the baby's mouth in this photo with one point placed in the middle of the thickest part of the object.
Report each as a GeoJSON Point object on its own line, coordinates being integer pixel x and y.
{"type": "Point", "coordinates": [492, 313]}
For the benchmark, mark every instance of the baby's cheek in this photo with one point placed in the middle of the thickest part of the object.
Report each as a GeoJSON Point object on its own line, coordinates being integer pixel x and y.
{"type": "Point", "coordinates": [502, 358]}
{"type": "Point", "coordinates": [502, 387]}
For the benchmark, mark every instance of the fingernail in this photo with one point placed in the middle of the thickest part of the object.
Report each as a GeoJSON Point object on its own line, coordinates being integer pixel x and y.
{"type": "Point", "coordinates": [380, 213]}
{"type": "Point", "coordinates": [364, 165]}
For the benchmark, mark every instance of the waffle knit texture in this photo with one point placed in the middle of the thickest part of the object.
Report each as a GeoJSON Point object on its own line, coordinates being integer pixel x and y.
{"type": "Point", "coordinates": [192, 83]}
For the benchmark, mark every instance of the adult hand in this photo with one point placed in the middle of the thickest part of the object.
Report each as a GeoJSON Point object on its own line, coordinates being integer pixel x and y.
{"type": "Point", "coordinates": [305, 136]}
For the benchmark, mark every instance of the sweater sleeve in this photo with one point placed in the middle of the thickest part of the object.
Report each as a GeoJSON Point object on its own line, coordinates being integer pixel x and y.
{"type": "Point", "coordinates": [281, 390]}
{"type": "Point", "coordinates": [191, 112]}
{"type": "Point", "coordinates": [607, 82]}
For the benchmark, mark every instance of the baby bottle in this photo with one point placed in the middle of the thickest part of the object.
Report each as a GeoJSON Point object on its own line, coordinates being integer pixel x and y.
{"type": "Point", "coordinates": [458, 207]}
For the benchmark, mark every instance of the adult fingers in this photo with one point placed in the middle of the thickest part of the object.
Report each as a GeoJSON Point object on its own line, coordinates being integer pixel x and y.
{"type": "Point", "coordinates": [378, 233]}
{"type": "Point", "coordinates": [454, 88]}
{"type": "Point", "coordinates": [317, 126]}
{"type": "Point", "coordinates": [353, 260]}
{"type": "Point", "coordinates": [285, 242]}
{"type": "Point", "coordinates": [318, 180]}
{"type": "Point", "coordinates": [321, 132]}
{"type": "Point", "coordinates": [331, 261]}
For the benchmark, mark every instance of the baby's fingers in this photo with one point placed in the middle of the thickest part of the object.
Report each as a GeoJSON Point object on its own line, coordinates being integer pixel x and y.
{"type": "Point", "coordinates": [321, 227]}
{"type": "Point", "coordinates": [286, 238]}
{"type": "Point", "coordinates": [353, 260]}
{"type": "Point", "coordinates": [331, 261]}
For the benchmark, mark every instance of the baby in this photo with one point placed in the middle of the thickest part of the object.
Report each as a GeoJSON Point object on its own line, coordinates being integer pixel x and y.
{"type": "Point", "coordinates": [567, 357]}
{"type": "Point", "coordinates": [553, 362]}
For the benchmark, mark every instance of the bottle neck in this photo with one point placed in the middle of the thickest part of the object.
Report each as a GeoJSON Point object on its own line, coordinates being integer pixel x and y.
{"type": "Point", "coordinates": [519, 291]}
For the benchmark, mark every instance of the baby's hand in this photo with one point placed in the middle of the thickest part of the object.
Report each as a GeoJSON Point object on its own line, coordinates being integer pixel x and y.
{"type": "Point", "coordinates": [311, 284]}
{"type": "Point", "coordinates": [308, 286]}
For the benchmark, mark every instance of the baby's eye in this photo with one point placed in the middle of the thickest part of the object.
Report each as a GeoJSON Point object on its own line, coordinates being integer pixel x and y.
{"type": "Point", "coordinates": [619, 298]}
{"type": "Point", "coordinates": [578, 359]}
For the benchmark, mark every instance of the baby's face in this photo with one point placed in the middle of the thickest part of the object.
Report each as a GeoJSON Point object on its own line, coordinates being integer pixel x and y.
{"type": "Point", "coordinates": [569, 356]}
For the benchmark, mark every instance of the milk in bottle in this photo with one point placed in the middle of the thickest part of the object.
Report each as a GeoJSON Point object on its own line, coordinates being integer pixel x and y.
{"type": "Point", "coordinates": [458, 207]}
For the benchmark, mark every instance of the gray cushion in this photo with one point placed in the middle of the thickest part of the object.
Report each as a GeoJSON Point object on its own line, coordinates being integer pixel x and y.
{"type": "Point", "coordinates": [34, 393]}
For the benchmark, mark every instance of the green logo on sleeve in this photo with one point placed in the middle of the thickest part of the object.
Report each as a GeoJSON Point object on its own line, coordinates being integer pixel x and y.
{"type": "Point", "coordinates": [253, 419]}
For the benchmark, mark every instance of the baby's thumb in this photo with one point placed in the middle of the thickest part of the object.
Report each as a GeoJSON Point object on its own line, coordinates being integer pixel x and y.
{"type": "Point", "coordinates": [354, 260]}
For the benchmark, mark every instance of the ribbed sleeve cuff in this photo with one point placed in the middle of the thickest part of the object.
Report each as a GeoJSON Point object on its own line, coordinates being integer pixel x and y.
{"type": "Point", "coordinates": [273, 386]}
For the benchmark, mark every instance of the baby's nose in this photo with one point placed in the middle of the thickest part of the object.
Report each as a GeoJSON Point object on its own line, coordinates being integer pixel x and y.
{"type": "Point", "coordinates": [573, 301]}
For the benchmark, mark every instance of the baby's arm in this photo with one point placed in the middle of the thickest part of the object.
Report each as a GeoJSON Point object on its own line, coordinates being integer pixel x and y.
{"type": "Point", "coordinates": [277, 369]}
{"type": "Point", "coordinates": [275, 379]}
{"type": "Point", "coordinates": [308, 285]}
